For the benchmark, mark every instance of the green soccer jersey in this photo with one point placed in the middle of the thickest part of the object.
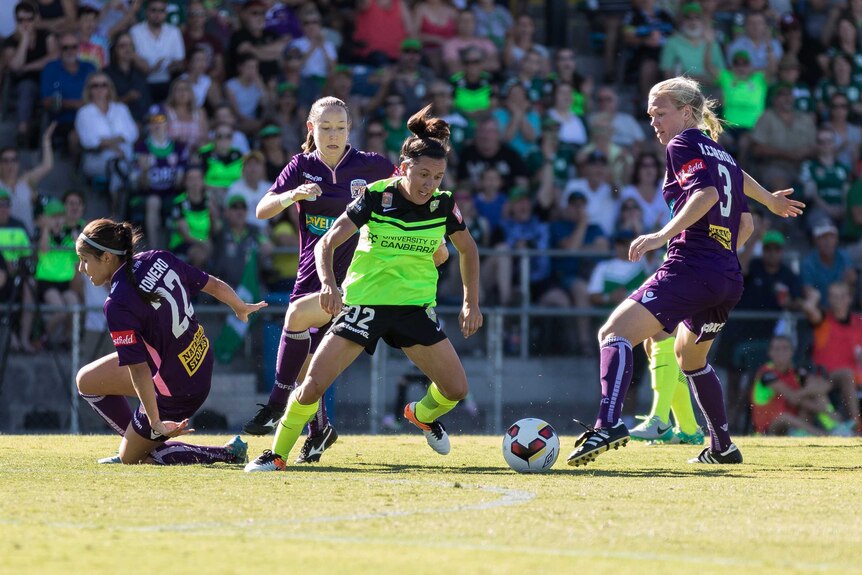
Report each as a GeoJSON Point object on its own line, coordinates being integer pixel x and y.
{"type": "Point", "coordinates": [394, 261]}
{"type": "Point", "coordinates": [830, 181]}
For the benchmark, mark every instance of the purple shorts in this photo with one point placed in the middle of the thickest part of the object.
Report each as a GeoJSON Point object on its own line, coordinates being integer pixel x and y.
{"type": "Point", "coordinates": [699, 298]}
{"type": "Point", "coordinates": [175, 408]}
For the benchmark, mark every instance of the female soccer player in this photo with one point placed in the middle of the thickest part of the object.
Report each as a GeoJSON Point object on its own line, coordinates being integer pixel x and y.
{"type": "Point", "coordinates": [699, 282]}
{"type": "Point", "coordinates": [162, 357]}
{"type": "Point", "coordinates": [390, 289]}
{"type": "Point", "coordinates": [320, 182]}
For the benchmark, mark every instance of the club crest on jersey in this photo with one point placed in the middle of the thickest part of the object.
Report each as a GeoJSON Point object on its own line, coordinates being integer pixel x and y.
{"type": "Point", "coordinates": [387, 200]}
{"type": "Point", "coordinates": [689, 169]}
{"type": "Point", "coordinates": [434, 204]}
{"type": "Point", "coordinates": [126, 337]}
{"type": "Point", "coordinates": [357, 188]}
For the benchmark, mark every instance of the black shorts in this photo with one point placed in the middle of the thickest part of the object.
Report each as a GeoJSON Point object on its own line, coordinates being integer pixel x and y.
{"type": "Point", "coordinates": [43, 286]}
{"type": "Point", "coordinates": [398, 325]}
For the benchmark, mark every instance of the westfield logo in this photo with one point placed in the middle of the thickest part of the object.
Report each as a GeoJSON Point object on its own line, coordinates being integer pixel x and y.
{"type": "Point", "coordinates": [689, 169]}
{"type": "Point", "coordinates": [124, 337]}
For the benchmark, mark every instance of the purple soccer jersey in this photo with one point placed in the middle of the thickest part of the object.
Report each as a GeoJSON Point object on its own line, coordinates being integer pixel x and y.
{"type": "Point", "coordinates": [166, 334]}
{"type": "Point", "coordinates": [340, 186]}
{"type": "Point", "coordinates": [700, 281]}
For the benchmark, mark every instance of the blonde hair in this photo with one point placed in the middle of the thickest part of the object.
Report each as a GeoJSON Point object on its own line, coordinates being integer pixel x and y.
{"type": "Point", "coordinates": [112, 91]}
{"type": "Point", "coordinates": [684, 91]}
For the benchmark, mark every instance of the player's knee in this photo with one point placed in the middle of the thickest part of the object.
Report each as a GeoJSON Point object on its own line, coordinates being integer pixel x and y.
{"type": "Point", "coordinates": [83, 380]}
{"type": "Point", "coordinates": [455, 391]}
{"type": "Point", "coordinates": [607, 330]}
{"type": "Point", "coordinates": [310, 391]}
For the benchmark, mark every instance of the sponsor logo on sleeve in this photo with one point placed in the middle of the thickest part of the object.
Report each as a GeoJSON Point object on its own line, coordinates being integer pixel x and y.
{"type": "Point", "coordinates": [689, 169]}
{"type": "Point", "coordinates": [720, 234]}
{"type": "Point", "coordinates": [126, 337]}
{"type": "Point", "coordinates": [457, 213]}
{"type": "Point", "coordinates": [357, 188]}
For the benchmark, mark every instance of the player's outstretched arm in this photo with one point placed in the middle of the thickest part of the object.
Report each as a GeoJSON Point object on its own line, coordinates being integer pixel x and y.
{"type": "Point", "coordinates": [341, 230]}
{"type": "Point", "coordinates": [470, 316]}
{"type": "Point", "coordinates": [779, 203]}
{"type": "Point", "coordinates": [226, 294]}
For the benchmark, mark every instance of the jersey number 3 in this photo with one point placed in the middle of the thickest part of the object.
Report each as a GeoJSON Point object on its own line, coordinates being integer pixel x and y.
{"type": "Point", "coordinates": [179, 325]}
{"type": "Point", "coordinates": [725, 208]}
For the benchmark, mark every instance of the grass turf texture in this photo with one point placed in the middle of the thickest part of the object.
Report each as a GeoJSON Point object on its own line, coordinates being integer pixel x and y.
{"type": "Point", "coordinates": [388, 504]}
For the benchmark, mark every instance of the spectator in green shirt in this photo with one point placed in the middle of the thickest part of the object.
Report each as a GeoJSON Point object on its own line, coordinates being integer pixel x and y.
{"type": "Point", "coordinates": [687, 49]}
{"type": "Point", "coordinates": [743, 95]}
{"type": "Point", "coordinates": [826, 180]}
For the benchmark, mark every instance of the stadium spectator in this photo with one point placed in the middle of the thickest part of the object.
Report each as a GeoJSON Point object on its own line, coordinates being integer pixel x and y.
{"type": "Point", "coordinates": [252, 39]}
{"type": "Point", "coordinates": [281, 277]}
{"type": "Point", "coordinates": [106, 130]}
{"type": "Point", "coordinates": [566, 71]}
{"type": "Point", "coordinates": [94, 47]}
{"type": "Point", "coordinates": [274, 154]}
{"type": "Point", "coordinates": [826, 181]}
{"type": "Point", "coordinates": [205, 89]}
{"type": "Point", "coordinates": [763, 50]}
{"type": "Point", "coordinates": [375, 138]}
{"type": "Point", "coordinates": [789, 73]}
{"type": "Point", "coordinates": [848, 136]}
{"type": "Point", "coordinates": [407, 78]}
{"type": "Point", "coordinates": [288, 119]}
{"type": "Point", "coordinates": [339, 85]}
{"type": "Point", "coordinates": [104, 247]}
{"type": "Point", "coordinates": [196, 38]}
{"type": "Point", "coordinates": [782, 139]}
{"type": "Point", "coordinates": [688, 50]}
{"type": "Point", "coordinates": [15, 248]}
{"type": "Point", "coordinates": [238, 243]}
{"type": "Point", "coordinates": [440, 95]}
{"type": "Point", "coordinates": [627, 131]}
{"type": "Point", "coordinates": [530, 75]}
{"type": "Point", "coordinates": [473, 88]}
{"type": "Point", "coordinates": [790, 400]}
{"type": "Point", "coordinates": [519, 122]}
{"type": "Point", "coordinates": [620, 161]}
{"type": "Point", "coordinates": [852, 232]}
{"type": "Point", "coordinates": [159, 49]}
{"type": "Point", "coordinates": [282, 19]}
{"type": "Point", "coordinates": [222, 162]}
{"type": "Point", "coordinates": [372, 16]}
{"type": "Point", "coordinates": [162, 164]}
{"type": "Point", "coordinates": [492, 21]}
{"type": "Point", "coordinates": [224, 115]}
{"type": "Point", "coordinates": [417, 330]}
{"type": "Point", "coordinates": [840, 81]}
{"type": "Point", "coordinates": [62, 90]}
{"type": "Point", "coordinates": [838, 343]}
{"type": "Point", "coordinates": [395, 123]}
{"type": "Point", "coordinates": [129, 82]}
{"type": "Point", "coordinates": [253, 185]}
{"type": "Point", "coordinates": [645, 189]}
{"type": "Point", "coordinates": [187, 121]}
{"type": "Point", "coordinates": [436, 23]}
{"type": "Point", "coordinates": [470, 36]}
{"type": "Point", "coordinates": [25, 54]}
{"type": "Point", "coordinates": [595, 185]}
{"type": "Point", "coordinates": [55, 15]}
{"type": "Point", "coordinates": [743, 96]}
{"type": "Point", "coordinates": [194, 220]}
{"type": "Point", "coordinates": [22, 186]}
{"type": "Point", "coordinates": [521, 42]}
{"type": "Point", "coordinates": [552, 165]}
{"type": "Point", "coordinates": [247, 95]}
{"type": "Point", "coordinates": [319, 56]}
{"type": "Point", "coordinates": [56, 274]}
{"type": "Point", "coordinates": [646, 28]}
{"type": "Point", "coordinates": [573, 132]}
{"type": "Point", "coordinates": [489, 150]}
{"type": "Point", "coordinates": [846, 43]}
{"type": "Point", "coordinates": [827, 263]}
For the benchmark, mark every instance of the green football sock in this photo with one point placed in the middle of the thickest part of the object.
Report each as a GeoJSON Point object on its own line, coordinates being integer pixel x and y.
{"type": "Point", "coordinates": [663, 371]}
{"type": "Point", "coordinates": [683, 413]}
{"type": "Point", "coordinates": [433, 405]}
{"type": "Point", "coordinates": [291, 425]}
{"type": "Point", "coordinates": [828, 419]}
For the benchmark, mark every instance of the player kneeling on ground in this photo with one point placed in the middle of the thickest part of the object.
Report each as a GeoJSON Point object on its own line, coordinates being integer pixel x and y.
{"type": "Point", "coordinates": [390, 290]}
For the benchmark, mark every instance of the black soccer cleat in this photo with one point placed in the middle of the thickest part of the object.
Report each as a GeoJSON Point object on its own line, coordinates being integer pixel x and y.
{"type": "Point", "coordinates": [593, 442]}
{"type": "Point", "coordinates": [264, 422]}
{"type": "Point", "coordinates": [732, 455]}
{"type": "Point", "coordinates": [315, 445]}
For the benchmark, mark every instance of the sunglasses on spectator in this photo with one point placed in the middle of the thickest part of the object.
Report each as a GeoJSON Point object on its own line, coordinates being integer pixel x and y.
{"type": "Point", "coordinates": [310, 22]}
{"type": "Point", "coordinates": [410, 51]}
{"type": "Point", "coordinates": [25, 18]}
{"type": "Point", "coordinates": [157, 10]}
{"type": "Point", "coordinates": [197, 13]}
{"type": "Point", "coordinates": [69, 47]}
{"type": "Point", "coordinates": [840, 106]}
{"type": "Point", "coordinates": [472, 61]}
{"type": "Point", "coordinates": [9, 159]}
{"type": "Point", "coordinates": [376, 134]}
{"type": "Point", "coordinates": [224, 136]}
{"type": "Point", "coordinates": [99, 85]}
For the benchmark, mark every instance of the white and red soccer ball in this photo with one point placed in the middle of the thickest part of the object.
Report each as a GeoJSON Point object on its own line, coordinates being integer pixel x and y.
{"type": "Point", "coordinates": [531, 445]}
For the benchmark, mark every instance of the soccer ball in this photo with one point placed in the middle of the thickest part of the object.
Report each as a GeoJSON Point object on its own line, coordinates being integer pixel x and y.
{"type": "Point", "coordinates": [531, 446]}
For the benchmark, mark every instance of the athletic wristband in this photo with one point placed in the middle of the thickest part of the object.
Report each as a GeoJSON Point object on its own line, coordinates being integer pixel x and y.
{"type": "Point", "coordinates": [286, 201]}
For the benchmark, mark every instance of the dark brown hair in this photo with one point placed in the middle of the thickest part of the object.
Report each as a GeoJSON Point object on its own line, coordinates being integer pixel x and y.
{"type": "Point", "coordinates": [121, 236]}
{"type": "Point", "coordinates": [314, 116]}
{"type": "Point", "coordinates": [430, 137]}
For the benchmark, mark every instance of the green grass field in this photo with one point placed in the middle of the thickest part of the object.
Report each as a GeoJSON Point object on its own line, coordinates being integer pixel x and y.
{"type": "Point", "coordinates": [388, 504]}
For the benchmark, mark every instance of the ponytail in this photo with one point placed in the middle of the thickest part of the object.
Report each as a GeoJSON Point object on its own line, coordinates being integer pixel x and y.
{"type": "Point", "coordinates": [430, 136]}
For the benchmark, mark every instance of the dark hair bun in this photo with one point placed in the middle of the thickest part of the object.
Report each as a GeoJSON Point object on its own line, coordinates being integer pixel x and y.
{"type": "Point", "coordinates": [426, 126]}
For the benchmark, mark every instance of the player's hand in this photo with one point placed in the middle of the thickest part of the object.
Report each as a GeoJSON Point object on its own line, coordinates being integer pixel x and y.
{"type": "Point", "coordinates": [643, 244]}
{"type": "Point", "coordinates": [441, 255]}
{"type": "Point", "coordinates": [471, 319]}
{"type": "Point", "coordinates": [306, 192]}
{"type": "Point", "coordinates": [785, 207]}
{"type": "Point", "coordinates": [330, 300]}
{"type": "Point", "coordinates": [247, 309]}
{"type": "Point", "coordinates": [172, 428]}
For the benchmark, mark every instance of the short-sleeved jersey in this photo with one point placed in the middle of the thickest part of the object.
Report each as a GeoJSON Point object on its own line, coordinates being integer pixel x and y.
{"type": "Point", "coordinates": [695, 162]}
{"type": "Point", "coordinates": [340, 186]}
{"type": "Point", "coordinates": [166, 334]}
{"type": "Point", "coordinates": [394, 261]}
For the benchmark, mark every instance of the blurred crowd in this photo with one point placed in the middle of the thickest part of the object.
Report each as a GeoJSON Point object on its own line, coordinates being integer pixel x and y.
{"type": "Point", "coordinates": [179, 114]}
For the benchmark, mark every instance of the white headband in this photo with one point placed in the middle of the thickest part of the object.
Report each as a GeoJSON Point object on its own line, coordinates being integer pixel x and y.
{"type": "Point", "coordinates": [101, 247]}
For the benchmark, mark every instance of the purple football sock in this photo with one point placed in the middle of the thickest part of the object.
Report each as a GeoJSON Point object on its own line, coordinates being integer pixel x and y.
{"type": "Point", "coordinates": [178, 453]}
{"type": "Point", "coordinates": [616, 374]}
{"type": "Point", "coordinates": [112, 408]}
{"type": "Point", "coordinates": [292, 351]}
{"type": "Point", "coordinates": [706, 389]}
